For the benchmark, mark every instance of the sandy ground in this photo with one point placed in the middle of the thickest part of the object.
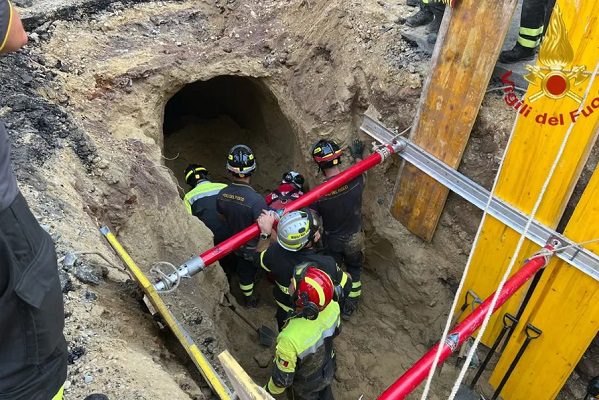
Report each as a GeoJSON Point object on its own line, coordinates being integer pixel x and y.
{"type": "Point", "coordinates": [86, 114]}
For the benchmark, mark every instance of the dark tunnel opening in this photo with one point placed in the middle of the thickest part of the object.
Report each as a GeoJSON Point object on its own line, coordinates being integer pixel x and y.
{"type": "Point", "coordinates": [206, 118]}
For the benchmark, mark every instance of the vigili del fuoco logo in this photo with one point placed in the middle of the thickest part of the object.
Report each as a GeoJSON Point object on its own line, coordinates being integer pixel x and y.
{"type": "Point", "coordinates": [552, 79]}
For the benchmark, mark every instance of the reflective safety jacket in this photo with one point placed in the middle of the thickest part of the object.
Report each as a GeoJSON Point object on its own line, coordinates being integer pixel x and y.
{"type": "Point", "coordinates": [304, 349]}
{"type": "Point", "coordinates": [201, 202]}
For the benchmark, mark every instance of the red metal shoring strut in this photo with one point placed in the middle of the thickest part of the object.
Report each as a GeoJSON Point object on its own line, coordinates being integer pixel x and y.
{"type": "Point", "coordinates": [234, 242]}
{"type": "Point", "coordinates": [419, 371]}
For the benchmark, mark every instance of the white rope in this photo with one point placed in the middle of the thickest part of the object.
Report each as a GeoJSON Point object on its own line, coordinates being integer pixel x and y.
{"type": "Point", "coordinates": [519, 245]}
{"type": "Point", "coordinates": [456, 298]}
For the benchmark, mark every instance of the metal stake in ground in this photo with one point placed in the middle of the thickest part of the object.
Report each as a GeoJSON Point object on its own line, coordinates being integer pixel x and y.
{"type": "Point", "coordinates": [532, 333]}
{"type": "Point", "coordinates": [509, 322]}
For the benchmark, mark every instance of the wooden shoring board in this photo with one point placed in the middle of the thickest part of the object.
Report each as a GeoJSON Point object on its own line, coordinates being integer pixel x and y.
{"type": "Point", "coordinates": [565, 307]}
{"type": "Point", "coordinates": [529, 159]}
{"type": "Point", "coordinates": [243, 385]}
{"type": "Point", "coordinates": [462, 64]}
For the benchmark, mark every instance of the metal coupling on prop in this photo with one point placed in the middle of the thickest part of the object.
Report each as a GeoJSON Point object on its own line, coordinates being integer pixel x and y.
{"type": "Point", "coordinates": [189, 268]}
{"type": "Point", "coordinates": [399, 145]}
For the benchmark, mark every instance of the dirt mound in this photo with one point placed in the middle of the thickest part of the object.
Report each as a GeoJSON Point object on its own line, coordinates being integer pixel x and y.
{"type": "Point", "coordinates": [87, 107]}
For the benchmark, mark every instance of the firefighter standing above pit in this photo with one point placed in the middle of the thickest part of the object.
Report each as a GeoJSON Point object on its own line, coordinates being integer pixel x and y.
{"type": "Point", "coordinates": [341, 212]}
{"type": "Point", "coordinates": [33, 350]}
{"type": "Point", "coordinates": [304, 359]}
{"type": "Point", "coordinates": [431, 15]}
{"type": "Point", "coordinates": [241, 205]}
{"type": "Point", "coordinates": [298, 235]}
{"type": "Point", "coordinates": [534, 18]}
{"type": "Point", "coordinates": [291, 188]}
{"type": "Point", "coordinates": [200, 201]}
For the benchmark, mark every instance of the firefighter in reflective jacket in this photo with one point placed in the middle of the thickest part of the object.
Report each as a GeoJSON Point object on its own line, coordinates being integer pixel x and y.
{"type": "Point", "coordinates": [298, 236]}
{"type": "Point", "coordinates": [200, 201]}
{"type": "Point", "coordinates": [305, 360]}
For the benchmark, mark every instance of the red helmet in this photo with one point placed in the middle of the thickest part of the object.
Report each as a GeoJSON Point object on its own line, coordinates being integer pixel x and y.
{"type": "Point", "coordinates": [311, 290]}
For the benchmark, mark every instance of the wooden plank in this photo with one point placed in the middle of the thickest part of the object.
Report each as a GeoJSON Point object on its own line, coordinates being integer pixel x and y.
{"type": "Point", "coordinates": [529, 158]}
{"type": "Point", "coordinates": [243, 385]}
{"type": "Point", "coordinates": [468, 46]}
{"type": "Point", "coordinates": [566, 308]}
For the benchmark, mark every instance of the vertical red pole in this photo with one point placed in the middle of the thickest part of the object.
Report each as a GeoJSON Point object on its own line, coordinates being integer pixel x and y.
{"type": "Point", "coordinates": [420, 370]}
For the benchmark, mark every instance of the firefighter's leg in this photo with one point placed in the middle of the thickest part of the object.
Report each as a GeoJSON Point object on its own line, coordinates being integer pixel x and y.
{"type": "Point", "coordinates": [246, 270]}
{"type": "Point", "coordinates": [354, 261]}
{"type": "Point", "coordinates": [532, 26]}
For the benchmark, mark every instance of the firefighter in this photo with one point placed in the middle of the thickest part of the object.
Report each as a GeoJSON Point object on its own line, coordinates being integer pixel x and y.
{"type": "Point", "coordinates": [200, 201]}
{"type": "Point", "coordinates": [240, 205]}
{"type": "Point", "coordinates": [304, 359]}
{"type": "Point", "coordinates": [33, 350]}
{"type": "Point", "coordinates": [430, 14]}
{"type": "Point", "coordinates": [533, 19]}
{"type": "Point", "coordinates": [298, 236]}
{"type": "Point", "coordinates": [341, 211]}
{"type": "Point", "coordinates": [291, 188]}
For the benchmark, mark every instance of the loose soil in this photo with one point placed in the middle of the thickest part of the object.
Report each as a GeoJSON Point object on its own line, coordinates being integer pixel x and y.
{"type": "Point", "coordinates": [111, 100]}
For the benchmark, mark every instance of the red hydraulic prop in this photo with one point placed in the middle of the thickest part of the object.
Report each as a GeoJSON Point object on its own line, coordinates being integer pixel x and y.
{"type": "Point", "coordinates": [219, 251]}
{"type": "Point", "coordinates": [420, 370]}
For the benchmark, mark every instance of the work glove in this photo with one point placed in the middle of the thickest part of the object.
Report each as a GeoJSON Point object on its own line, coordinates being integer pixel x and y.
{"type": "Point", "coordinates": [356, 149]}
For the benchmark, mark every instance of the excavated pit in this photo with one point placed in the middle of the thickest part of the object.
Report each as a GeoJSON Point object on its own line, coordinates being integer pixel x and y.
{"type": "Point", "coordinates": [206, 118]}
{"type": "Point", "coordinates": [277, 76]}
{"type": "Point", "coordinates": [201, 122]}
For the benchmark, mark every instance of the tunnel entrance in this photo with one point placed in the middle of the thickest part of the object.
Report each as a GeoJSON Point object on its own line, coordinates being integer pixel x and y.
{"type": "Point", "coordinates": [206, 118]}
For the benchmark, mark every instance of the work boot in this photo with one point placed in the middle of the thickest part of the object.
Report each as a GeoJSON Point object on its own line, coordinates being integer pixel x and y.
{"type": "Point", "coordinates": [413, 3]}
{"type": "Point", "coordinates": [437, 9]}
{"type": "Point", "coordinates": [350, 304]}
{"type": "Point", "coordinates": [251, 301]}
{"type": "Point", "coordinates": [422, 17]}
{"type": "Point", "coordinates": [518, 53]}
{"type": "Point", "coordinates": [96, 396]}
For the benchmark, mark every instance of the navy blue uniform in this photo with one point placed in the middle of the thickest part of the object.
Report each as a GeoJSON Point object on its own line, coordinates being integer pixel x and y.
{"type": "Point", "coordinates": [241, 206]}
{"type": "Point", "coordinates": [341, 212]}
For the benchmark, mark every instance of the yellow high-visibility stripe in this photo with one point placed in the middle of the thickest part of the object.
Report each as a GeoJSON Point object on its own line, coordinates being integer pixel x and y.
{"type": "Point", "coordinates": [283, 289]}
{"type": "Point", "coordinates": [532, 31]}
{"type": "Point", "coordinates": [319, 290]}
{"type": "Point", "coordinates": [283, 306]}
{"type": "Point", "coordinates": [10, 17]}
{"type": "Point", "coordinates": [344, 278]}
{"type": "Point", "coordinates": [354, 294]}
{"type": "Point", "coordinates": [246, 287]}
{"type": "Point", "coordinates": [356, 284]}
{"type": "Point", "coordinates": [58, 396]}
{"type": "Point", "coordinates": [531, 44]}
{"type": "Point", "coordinates": [262, 261]}
{"type": "Point", "coordinates": [273, 388]}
